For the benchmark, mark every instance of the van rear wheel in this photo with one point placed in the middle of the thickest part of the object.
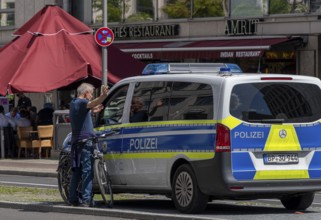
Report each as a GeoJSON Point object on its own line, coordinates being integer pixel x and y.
{"type": "Point", "coordinates": [298, 202]}
{"type": "Point", "coordinates": [186, 194]}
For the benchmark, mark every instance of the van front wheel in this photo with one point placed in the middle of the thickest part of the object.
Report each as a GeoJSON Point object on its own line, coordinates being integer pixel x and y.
{"type": "Point", "coordinates": [299, 202]}
{"type": "Point", "coordinates": [185, 192]}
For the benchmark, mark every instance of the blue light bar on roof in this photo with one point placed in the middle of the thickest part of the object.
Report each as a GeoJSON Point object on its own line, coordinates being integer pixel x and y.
{"type": "Point", "coordinates": [155, 68]}
{"type": "Point", "coordinates": [164, 68]}
{"type": "Point", "coordinates": [234, 68]}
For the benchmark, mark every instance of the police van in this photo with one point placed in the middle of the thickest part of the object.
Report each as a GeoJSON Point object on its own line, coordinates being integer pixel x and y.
{"type": "Point", "coordinates": [200, 135]}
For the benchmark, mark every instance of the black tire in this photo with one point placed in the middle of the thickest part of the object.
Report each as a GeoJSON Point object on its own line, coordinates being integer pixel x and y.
{"type": "Point", "coordinates": [186, 194]}
{"type": "Point", "coordinates": [104, 182]}
{"type": "Point", "coordinates": [64, 177]}
{"type": "Point", "coordinates": [298, 202]}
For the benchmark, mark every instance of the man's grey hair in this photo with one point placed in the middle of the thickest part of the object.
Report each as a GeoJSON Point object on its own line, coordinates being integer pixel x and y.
{"type": "Point", "coordinates": [84, 87]}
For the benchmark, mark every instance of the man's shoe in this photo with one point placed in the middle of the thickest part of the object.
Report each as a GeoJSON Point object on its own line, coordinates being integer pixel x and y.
{"type": "Point", "coordinates": [76, 203]}
{"type": "Point", "coordinates": [85, 204]}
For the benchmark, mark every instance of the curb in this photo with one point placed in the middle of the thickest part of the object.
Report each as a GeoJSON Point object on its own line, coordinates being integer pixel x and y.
{"type": "Point", "coordinates": [118, 213]}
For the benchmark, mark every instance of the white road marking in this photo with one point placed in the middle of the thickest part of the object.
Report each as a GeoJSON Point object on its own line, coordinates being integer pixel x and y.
{"type": "Point", "coordinates": [29, 184]}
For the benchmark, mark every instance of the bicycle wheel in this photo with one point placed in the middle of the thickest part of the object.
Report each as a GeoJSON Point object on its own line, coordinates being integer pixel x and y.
{"type": "Point", "coordinates": [64, 177]}
{"type": "Point", "coordinates": [104, 182]}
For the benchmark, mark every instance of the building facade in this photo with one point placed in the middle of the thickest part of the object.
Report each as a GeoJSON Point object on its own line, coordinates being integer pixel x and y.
{"type": "Point", "coordinates": [278, 36]}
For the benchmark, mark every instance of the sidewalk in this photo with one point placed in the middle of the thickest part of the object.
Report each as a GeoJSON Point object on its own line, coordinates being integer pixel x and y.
{"type": "Point", "coordinates": [29, 167]}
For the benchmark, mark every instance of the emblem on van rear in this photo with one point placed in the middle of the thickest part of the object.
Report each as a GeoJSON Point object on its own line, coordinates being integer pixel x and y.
{"type": "Point", "coordinates": [282, 133]}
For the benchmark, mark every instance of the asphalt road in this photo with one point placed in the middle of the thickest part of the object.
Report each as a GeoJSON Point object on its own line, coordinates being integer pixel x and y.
{"type": "Point", "coordinates": [29, 181]}
{"type": "Point", "coordinates": [163, 208]}
{"type": "Point", "coordinates": [21, 214]}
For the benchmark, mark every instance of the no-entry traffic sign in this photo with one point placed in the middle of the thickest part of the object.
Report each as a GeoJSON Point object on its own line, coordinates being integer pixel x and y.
{"type": "Point", "coordinates": [104, 36]}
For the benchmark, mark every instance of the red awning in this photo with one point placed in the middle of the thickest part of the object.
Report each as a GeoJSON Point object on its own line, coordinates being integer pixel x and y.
{"type": "Point", "coordinates": [235, 48]}
{"type": "Point", "coordinates": [54, 50]}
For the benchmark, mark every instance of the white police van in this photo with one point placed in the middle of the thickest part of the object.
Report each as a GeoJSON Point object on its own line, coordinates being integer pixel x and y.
{"type": "Point", "coordinates": [202, 136]}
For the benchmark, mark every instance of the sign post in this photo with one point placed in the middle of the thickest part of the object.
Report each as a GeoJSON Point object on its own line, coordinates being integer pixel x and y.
{"type": "Point", "coordinates": [104, 49]}
{"type": "Point", "coordinates": [104, 37]}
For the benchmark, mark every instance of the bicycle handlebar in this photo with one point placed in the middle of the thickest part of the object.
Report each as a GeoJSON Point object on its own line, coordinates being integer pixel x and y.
{"type": "Point", "coordinates": [98, 136]}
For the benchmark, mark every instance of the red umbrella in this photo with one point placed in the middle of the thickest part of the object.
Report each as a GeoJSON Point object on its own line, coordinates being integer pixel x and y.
{"type": "Point", "coordinates": [55, 50]}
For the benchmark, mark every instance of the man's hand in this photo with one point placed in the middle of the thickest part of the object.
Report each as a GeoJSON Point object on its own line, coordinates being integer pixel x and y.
{"type": "Point", "coordinates": [97, 101]}
{"type": "Point", "coordinates": [104, 90]}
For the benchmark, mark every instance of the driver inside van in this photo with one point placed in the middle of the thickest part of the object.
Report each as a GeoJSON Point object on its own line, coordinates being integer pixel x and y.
{"type": "Point", "coordinates": [137, 111]}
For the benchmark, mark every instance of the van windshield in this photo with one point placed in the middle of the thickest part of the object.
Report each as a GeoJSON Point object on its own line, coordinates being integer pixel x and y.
{"type": "Point", "coordinates": [276, 102]}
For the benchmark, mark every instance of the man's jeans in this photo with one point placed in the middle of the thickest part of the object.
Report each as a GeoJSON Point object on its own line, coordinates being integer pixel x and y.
{"type": "Point", "coordinates": [84, 172]}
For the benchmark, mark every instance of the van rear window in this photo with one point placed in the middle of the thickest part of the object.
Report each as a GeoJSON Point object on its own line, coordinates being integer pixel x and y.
{"type": "Point", "coordinates": [281, 102]}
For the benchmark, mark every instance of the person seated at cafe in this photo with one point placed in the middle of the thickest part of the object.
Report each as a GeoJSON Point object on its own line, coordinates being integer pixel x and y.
{"type": "Point", "coordinates": [45, 115]}
{"type": "Point", "coordinates": [24, 120]}
{"type": "Point", "coordinates": [13, 114]}
{"type": "Point", "coordinates": [33, 116]}
{"type": "Point", "coordinates": [4, 121]}
{"type": "Point", "coordinates": [23, 101]}
{"type": "Point", "coordinates": [8, 134]}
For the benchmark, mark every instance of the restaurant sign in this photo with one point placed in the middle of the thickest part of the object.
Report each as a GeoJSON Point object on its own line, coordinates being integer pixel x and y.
{"type": "Point", "coordinates": [240, 54]}
{"type": "Point", "coordinates": [241, 27]}
{"type": "Point", "coordinates": [145, 31]}
{"type": "Point", "coordinates": [143, 56]}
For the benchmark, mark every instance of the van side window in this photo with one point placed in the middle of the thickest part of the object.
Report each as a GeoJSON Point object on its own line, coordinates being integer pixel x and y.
{"type": "Point", "coordinates": [191, 101]}
{"type": "Point", "coordinates": [155, 96]}
{"type": "Point", "coordinates": [114, 107]}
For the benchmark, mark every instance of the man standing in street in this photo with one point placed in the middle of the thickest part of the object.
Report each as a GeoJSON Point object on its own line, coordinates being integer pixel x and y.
{"type": "Point", "coordinates": [82, 153]}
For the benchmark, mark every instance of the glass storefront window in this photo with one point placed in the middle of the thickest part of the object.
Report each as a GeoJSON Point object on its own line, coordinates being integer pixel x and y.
{"type": "Point", "coordinates": [315, 6]}
{"type": "Point", "coordinates": [289, 7]}
{"type": "Point", "coordinates": [210, 8]}
{"type": "Point", "coordinates": [153, 10]}
{"type": "Point", "coordinates": [139, 10]}
{"type": "Point", "coordinates": [114, 12]}
{"type": "Point", "coordinates": [125, 10]}
{"type": "Point", "coordinates": [249, 8]}
{"type": "Point", "coordinates": [174, 9]}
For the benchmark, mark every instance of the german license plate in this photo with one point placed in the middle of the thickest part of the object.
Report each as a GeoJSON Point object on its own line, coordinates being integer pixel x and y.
{"type": "Point", "coordinates": [281, 158]}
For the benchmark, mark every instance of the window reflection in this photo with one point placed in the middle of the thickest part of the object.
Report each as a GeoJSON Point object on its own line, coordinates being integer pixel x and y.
{"type": "Point", "coordinates": [114, 107]}
{"type": "Point", "coordinates": [315, 6]}
{"type": "Point", "coordinates": [114, 10]}
{"type": "Point", "coordinates": [191, 101]}
{"type": "Point", "coordinates": [176, 100]}
{"type": "Point", "coordinates": [139, 10]}
{"type": "Point", "coordinates": [214, 8]}
{"type": "Point", "coordinates": [154, 10]}
{"type": "Point", "coordinates": [291, 102]}
{"type": "Point", "coordinates": [178, 9]}
{"type": "Point", "coordinates": [155, 96]}
{"type": "Point", "coordinates": [288, 7]}
{"type": "Point", "coordinates": [248, 8]}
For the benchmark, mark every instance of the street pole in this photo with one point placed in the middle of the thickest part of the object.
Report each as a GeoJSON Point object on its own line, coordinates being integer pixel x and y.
{"type": "Point", "coordinates": [104, 49]}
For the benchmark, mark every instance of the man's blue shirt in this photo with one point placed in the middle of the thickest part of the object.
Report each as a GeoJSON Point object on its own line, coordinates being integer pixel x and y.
{"type": "Point", "coordinates": [80, 119]}
{"type": "Point", "coordinates": [81, 127]}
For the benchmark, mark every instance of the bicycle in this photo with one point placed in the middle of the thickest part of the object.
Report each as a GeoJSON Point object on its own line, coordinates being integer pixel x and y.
{"type": "Point", "coordinates": [101, 176]}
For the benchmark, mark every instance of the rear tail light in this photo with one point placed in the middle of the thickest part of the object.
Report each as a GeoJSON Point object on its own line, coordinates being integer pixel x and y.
{"type": "Point", "coordinates": [223, 139]}
{"type": "Point", "coordinates": [276, 78]}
